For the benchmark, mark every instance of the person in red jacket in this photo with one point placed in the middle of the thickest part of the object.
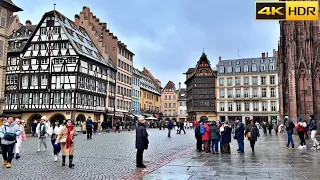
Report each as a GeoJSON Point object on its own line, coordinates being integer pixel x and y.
{"type": "Point", "coordinates": [206, 137]}
{"type": "Point", "coordinates": [301, 128]}
{"type": "Point", "coordinates": [195, 123]}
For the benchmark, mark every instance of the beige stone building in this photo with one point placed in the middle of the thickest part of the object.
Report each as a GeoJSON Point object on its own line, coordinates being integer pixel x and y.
{"type": "Point", "coordinates": [248, 89]}
{"type": "Point", "coordinates": [170, 101]}
{"type": "Point", "coordinates": [7, 8]}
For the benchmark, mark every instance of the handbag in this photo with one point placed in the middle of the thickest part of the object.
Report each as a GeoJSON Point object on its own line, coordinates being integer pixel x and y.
{"type": "Point", "coordinates": [249, 134]}
{"type": "Point", "coordinates": [9, 136]}
{"type": "Point", "coordinates": [63, 140]}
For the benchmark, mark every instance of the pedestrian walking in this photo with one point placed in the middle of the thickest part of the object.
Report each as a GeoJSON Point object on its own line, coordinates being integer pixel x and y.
{"type": "Point", "coordinates": [34, 128]}
{"type": "Point", "coordinates": [191, 125]}
{"type": "Point", "coordinates": [99, 127]}
{"type": "Point", "coordinates": [42, 132]}
{"type": "Point", "coordinates": [289, 128]}
{"type": "Point", "coordinates": [8, 134]}
{"type": "Point", "coordinates": [95, 127]}
{"type": "Point", "coordinates": [252, 132]}
{"type": "Point", "coordinates": [20, 138]}
{"type": "Point", "coordinates": [170, 126]}
{"type": "Point", "coordinates": [205, 131]}
{"type": "Point", "coordinates": [226, 138]}
{"type": "Point", "coordinates": [215, 137]}
{"type": "Point", "coordinates": [182, 128]}
{"type": "Point", "coordinates": [313, 129]}
{"type": "Point", "coordinates": [3, 120]}
{"type": "Point", "coordinates": [198, 136]}
{"type": "Point", "coordinates": [89, 127]}
{"type": "Point", "coordinates": [270, 127]}
{"type": "Point", "coordinates": [84, 127]}
{"type": "Point", "coordinates": [66, 138]}
{"type": "Point", "coordinates": [276, 129]}
{"type": "Point", "coordinates": [239, 135]}
{"type": "Point", "coordinates": [264, 127]}
{"type": "Point", "coordinates": [301, 128]}
{"type": "Point", "coordinates": [306, 131]}
{"type": "Point", "coordinates": [142, 142]}
{"type": "Point", "coordinates": [118, 126]}
{"type": "Point", "coordinates": [54, 131]}
{"type": "Point", "coordinates": [108, 126]}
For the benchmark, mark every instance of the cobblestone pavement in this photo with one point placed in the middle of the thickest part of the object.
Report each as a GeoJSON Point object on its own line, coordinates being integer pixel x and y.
{"type": "Point", "coordinates": [270, 161]}
{"type": "Point", "coordinates": [106, 156]}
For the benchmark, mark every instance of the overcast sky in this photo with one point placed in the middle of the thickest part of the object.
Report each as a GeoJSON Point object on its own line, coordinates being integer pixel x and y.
{"type": "Point", "coordinates": [168, 36]}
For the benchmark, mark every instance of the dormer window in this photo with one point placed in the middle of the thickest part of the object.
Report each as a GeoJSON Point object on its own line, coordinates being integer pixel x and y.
{"type": "Point", "coordinates": [262, 67]}
{"type": "Point", "coordinates": [221, 70]}
{"type": "Point", "coordinates": [229, 69]}
{"type": "Point", "coordinates": [245, 68]}
{"type": "Point", "coordinates": [271, 60]}
{"type": "Point", "coordinates": [238, 62]}
{"type": "Point", "coordinates": [271, 67]}
{"type": "Point", "coordinates": [261, 60]}
{"type": "Point", "coordinates": [238, 69]}
{"type": "Point", "coordinates": [230, 63]}
{"type": "Point", "coordinates": [254, 68]}
{"type": "Point", "coordinates": [252, 61]}
{"type": "Point", "coordinates": [56, 30]}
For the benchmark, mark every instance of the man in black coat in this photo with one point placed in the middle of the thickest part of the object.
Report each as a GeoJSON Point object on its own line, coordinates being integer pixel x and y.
{"type": "Point", "coordinates": [239, 134]}
{"type": "Point", "coordinates": [89, 127]}
{"type": "Point", "coordinates": [141, 142]}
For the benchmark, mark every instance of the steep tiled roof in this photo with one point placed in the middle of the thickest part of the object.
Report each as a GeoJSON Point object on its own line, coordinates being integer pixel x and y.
{"type": "Point", "coordinates": [170, 85]}
{"type": "Point", "coordinates": [11, 5]}
{"type": "Point", "coordinates": [190, 70]}
{"type": "Point", "coordinates": [202, 58]}
{"type": "Point", "coordinates": [182, 94]}
{"type": "Point", "coordinates": [21, 37]}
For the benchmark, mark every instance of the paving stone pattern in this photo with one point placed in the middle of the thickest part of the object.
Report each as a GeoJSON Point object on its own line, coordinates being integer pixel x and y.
{"type": "Point", "coordinates": [106, 156]}
{"type": "Point", "coordinates": [270, 161]}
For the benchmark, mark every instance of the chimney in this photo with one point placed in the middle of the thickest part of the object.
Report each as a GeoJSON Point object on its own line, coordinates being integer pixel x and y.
{"type": "Point", "coordinates": [219, 58]}
{"type": "Point", "coordinates": [267, 54]}
{"type": "Point", "coordinates": [77, 20]}
{"type": "Point", "coordinates": [179, 86]}
{"type": "Point", "coordinates": [263, 55]}
{"type": "Point", "coordinates": [28, 23]}
{"type": "Point", "coordinates": [275, 53]}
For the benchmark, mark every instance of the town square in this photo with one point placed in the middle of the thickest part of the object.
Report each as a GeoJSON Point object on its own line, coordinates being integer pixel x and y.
{"type": "Point", "coordinates": [159, 90]}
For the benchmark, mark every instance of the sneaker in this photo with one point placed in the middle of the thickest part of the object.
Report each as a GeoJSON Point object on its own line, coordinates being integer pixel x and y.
{"type": "Point", "coordinates": [39, 150]}
{"type": "Point", "coordinates": [300, 147]}
{"type": "Point", "coordinates": [8, 165]}
{"type": "Point", "coordinates": [304, 147]}
{"type": "Point", "coordinates": [313, 147]}
{"type": "Point", "coordinates": [286, 147]}
{"type": "Point", "coordinates": [55, 158]}
{"type": "Point", "coordinates": [4, 162]}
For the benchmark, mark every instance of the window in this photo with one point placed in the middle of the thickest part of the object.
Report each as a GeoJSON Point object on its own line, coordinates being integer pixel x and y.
{"type": "Point", "coordinates": [271, 67]}
{"type": "Point", "coordinates": [238, 106]}
{"type": "Point", "coordinates": [229, 69]}
{"type": "Point", "coordinates": [229, 81]}
{"type": "Point", "coordinates": [221, 93]}
{"type": "Point", "coordinates": [42, 46]}
{"type": "Point", "coordinates": [3, 20]}
{"type": "Point", "coordinates": [238, 62]}
{"type": "Point", "coordinates": [13, 61]}
{"type": "Point", "coordinates": [263, 80]}
{"type": "Point", "coordinates": [35, 98]}
{"type": "Point", "coordinates": [43, 31]}
{"type": "Point", "coordinates": [245, 68]}
{"type": "Point", "coordinates": [229, 106]}
{"type": "Point", "coordinates": [221, 69]}
{"type": "Point", "coordinates": [12, 79]}
{"type": "Point", "coordinates": [264, 106]}
{"type": "Point", "coordinates": [44, 80]}
{"type": "Point", "coordinates": [45, 98]}
{"type": "Point", "coordinates": [24, 80]}
{"type": "Point", "coordinates": [65, 46]}
{"type": "Point", "coordinates": [254, 80]}
{"type": "Point", "coordinates": [57, 98]}
{"type": "Point", "coordinates": [255, 106]}
{"type": "Point", "coordinates": [273, 92]}
{"type": "Point", "coordinates": [15, 99]}
{"type": "Point", "coordinates": [229, 93]}
{"type": "Point", "coordinates": [264, 92]}
{"type": "Point", "coordinates": [34, 80]}
{"type": "Point", "coordinates": [254, 68]}
{"type": "Point", "coordinates": [25, 62]}
{"type": "Point", "coordinates": [221, 81]}
{"type": "Point", "coordinates": [238, 69]}
{"type": "Point", "coordinates": [246, 106]}
{"type": "Point", "coordinates": [246, 93]}
{"type": "Point", "coordinates": [272, 79]}
{"type": "Point", "coordinates": [56, 30]}
{"type": "Point", "coordinates": [273, 106]}
{"type": "Point", "coordinates": [255, 92]}
{"type": "Point", "coordinates": [221, 106]}
{"type": "Point", "coordinates": [238, 93]}
{"type": "Point", "coordinates": [262, 67]}
{"type": "Point", "coordinates": [246, 81]}
{"type": "Point", "coordinates": [25, 98]}
{"type": "Point", "coordinates": [67, 98]}
{"type": "Point", "coordinates": [237, 81]}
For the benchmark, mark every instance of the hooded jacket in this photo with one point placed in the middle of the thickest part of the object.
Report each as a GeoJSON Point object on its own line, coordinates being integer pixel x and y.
{"type": "Point", "coordinates": [9, 129]}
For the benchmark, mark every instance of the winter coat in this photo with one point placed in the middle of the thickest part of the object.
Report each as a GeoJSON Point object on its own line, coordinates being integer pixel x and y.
{"type": "Point", "coordinates": [142, 141]}
{"type": "Point", "coordinates": [22, 136]}
{"type": "Point", "coordinates": [214, 132]}
{"type": "Point", "coordinates": [34, 127]}
{"type": "Point", "coordinates": [301, 126]}
{"type": "Point", "coordinates": [54, 132]}
{"type": "Point", "coordinates": [43, 127]}
{"type": "Point", "coordinates": [64, 134]}
{"type": "Point", "coordinates": [254, 133]}
{"type": "Point", "coordinates": [206, 135]}
{"type": "Point", "coordinates": [197, 131]}
{"type": "Point", "coordinates": [226, 135]}
{"type": "Point", "coordinates": [108, 124]}
{"type": "Point", "coordinates": [239, 130]}
{"type": "Point", "coordinates": [89, 124]}
{"type": "Point", "coordinates": [6, 128]}
{"type": "Point", "coordinates": [170, 125]}
{"type": "Point", "coordinates": [313, 125]}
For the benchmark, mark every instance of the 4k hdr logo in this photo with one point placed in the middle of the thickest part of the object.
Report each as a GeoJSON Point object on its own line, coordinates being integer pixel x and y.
{"type": "Point", "coordinates": [287, 10]}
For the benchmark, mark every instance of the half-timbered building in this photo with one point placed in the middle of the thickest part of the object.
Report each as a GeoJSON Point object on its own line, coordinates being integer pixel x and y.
{"type": "Point", "coordinates": [200, 82]}
{"type": "Point", "coordinates": [60, 74]}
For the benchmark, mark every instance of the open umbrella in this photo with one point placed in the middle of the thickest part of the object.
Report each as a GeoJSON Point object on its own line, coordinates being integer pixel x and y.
{"type": "Point", "coordinates": [151, 118]}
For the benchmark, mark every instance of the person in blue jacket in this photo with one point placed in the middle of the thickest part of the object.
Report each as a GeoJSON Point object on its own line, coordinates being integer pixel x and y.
{"type": "Point", "coordinates": [170, 126]}
{"type": "Point", "coordinates": [239, 135]}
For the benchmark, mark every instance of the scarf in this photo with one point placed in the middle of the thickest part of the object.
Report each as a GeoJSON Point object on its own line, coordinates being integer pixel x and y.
{"type": "Point", "coordinates": [68, 142]}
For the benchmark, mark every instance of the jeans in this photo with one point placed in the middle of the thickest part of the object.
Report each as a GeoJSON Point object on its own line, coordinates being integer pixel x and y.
{"type": "Point", "coordinates": [42, 140]}
{"type": "Point", "coordinates": [199, 143]}
{"type": "Point", "coordinates": [140, 157]}
{"type": "Point", "coordinates": [56, 147]}
{"type": "Point", "coordinates": [313, 137]}
{"type": "Point", "coordinates": [252, 143]}
{"type": "Point", "coordinates": [290, 140]}
{"type": "Point", "coordinates": [108, 130]}
{"type": "Point", "coordinates": [301, 137]}
{"type": "Point", "coordinates": [215, 145]}
{"type": "Point", "coordinates": [240, 144]}
{"type": "Point", "coordinates": [89, 133]}
{"type": "Point", "coordinates": [33, 133]}
{"type": "Point", "coordinates": [7, 152]}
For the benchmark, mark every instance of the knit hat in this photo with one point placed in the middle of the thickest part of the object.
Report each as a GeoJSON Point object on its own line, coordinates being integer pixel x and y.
{"type": "Point", "coordinates": [286, 117]}
{"type": "Point", "coordinates": [44, 117]}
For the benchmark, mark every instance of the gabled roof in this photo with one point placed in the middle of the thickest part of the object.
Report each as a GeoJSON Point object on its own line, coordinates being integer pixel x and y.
{"type": "Point", "coordinates": [202, 58]}
{"type": "Point", "coordinates": [20, 35]}
{"type": "Point", "coordinates": [10, 5]}
{"type": "Point", "coordinates": [190, 71]}
{"type": "Point", "coordinates": [170, 85]}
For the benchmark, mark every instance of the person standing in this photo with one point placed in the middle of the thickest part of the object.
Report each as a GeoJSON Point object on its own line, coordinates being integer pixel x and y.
{"type": "Point", "coordinates": [264, 127]}
{"type": "Point", "coordinates": [313, 129]}
{"type": "Point", "coordinates": [252, 132]}
{"type": "Point", "coordinates": [8, 134]}
{"type": "Point", "coordinates": [54, 131]}
{"type": "Point", "coordinates": [239, 134]}
{"type": "Point", "coordinates": [182, 128]}
{"type": "Point", "coordinates": [301, 127]}
{"type": "Point", "coordinates": [117, 126]}
{"type": "Point", "coordinates": [270, 127]}
{"type": "Point", "coordinates": [66, 138]}
{"type": "Point", "coordinates": [108, 126]}
{"type": "Point", "coordinates": [142, 142]}
{"type": "Point", "coordinates": [206, 136]}
{"type": "Point", "coordinates": [20, 138]}
{"type": "Point", "coordinates": [215, 137]}
{"type": "Point", "coordinates": [289, 128]}
{"type": "Point", "coordinates": [198, 136]}
{"type": "Point", "coordinates": [226, 138]}
{"type": "Point", "coordinates": [41, 131]}
{"type": "Point", "coordinates": [170, 126]}
{"type": "Point", "coordinates": [3, 119]}
{"type": "Point", "coordinates": [34, 128]}
{"type": "Point", "coordinates": [95, 127]}
{"type": "Point", "coordinates": [276, 129]}
{"type": "Point", "coordinates": [89, 127]}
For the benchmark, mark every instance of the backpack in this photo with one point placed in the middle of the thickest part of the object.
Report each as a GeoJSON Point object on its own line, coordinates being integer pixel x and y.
{"type": "Point", "coordinates": [202, 129]}
{"type": "Point", "coordinates": [43, 131]}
